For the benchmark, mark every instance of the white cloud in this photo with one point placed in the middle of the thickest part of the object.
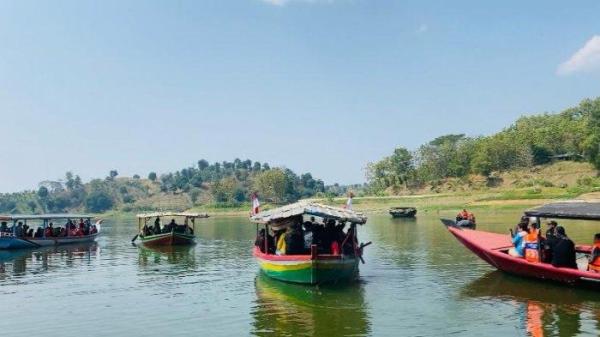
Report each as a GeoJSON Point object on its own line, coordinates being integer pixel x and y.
{"type": "Point", "coordinates": [285, 2]}
{"type": "Point", "coordinates": [423, 28]}
{"type": "Point", "coordinates": [585, 59]}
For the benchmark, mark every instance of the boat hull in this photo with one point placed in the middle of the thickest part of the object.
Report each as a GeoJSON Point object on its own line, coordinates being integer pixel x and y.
{"type": "Point", "coordinates": [403, 213]}
{"type": "Point", "coordinates": [306, 270]}
{"type": "Point", "coordinates": [492, 247]}
{"type": "Point", "coordinates": [23, 243]}
{"type": "Point", "coordinates": [168, 239]}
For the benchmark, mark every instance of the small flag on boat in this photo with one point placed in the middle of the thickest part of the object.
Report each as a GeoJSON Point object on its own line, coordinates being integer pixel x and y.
{"type": "Point", "coordinates": [255, 203]}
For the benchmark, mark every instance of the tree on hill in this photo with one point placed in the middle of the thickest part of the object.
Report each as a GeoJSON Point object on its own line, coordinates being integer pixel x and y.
{"type": "Point", "coordinates": [152, 176]}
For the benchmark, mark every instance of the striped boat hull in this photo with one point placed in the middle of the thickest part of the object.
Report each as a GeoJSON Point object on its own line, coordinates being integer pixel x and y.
{"type": "Point", "coordinates": [304, 269]}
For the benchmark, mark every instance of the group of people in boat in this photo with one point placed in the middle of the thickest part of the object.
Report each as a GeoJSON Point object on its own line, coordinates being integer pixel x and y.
{"type": "Point", "coordinates": [555, 247]}
{"type": "Point", "coordinates": [170, 227]}
{"type": "Point", "coordinates": [465, 218]}
{"type": "Point", "coordinates": [71, 228]}
{"type": "Point", "coordinates": [297, 238]}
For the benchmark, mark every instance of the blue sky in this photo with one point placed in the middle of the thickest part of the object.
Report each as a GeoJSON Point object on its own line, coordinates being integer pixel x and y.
{"type": "Point", "coordinates": [319, 86]}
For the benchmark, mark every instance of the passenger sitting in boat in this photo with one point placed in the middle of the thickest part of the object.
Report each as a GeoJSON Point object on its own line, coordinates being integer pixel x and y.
{"type": "Point", "coordinates": [146, 230]}
{"type": "Point", "coordinates": [19, 230]}
{"type": "Point", "coordinates": [471, 217]}
{"type": "Point", "coordinates": [157, 229]}
{"type": "Point", "coordinates": [39, 233]}
{"type": "Point", "coordinates": [260, 242]}
{"type": "Point", "coordinates": [308, 235]}
{"type": "Point", "coordinates": [548, 241]}
{"type": "Point", "coordinates": [170, 227]}
{"type": "Point", "coordinates": [30, 233]}
{"type": "Point", "coordinates": [93, 230]}
{"type": "Point", "coordinates": [518, 240]}
{"type": "Point", "coordinates": [532, 253]}
{"type": "Point", "coordinates": [563, 250]}
{"type": "Point", "coordinates": [280, 249]}
{"type": "Point", "coordinates": [49, 232]}
{"type": "Point", "coordinates": [294, 239]}
{"type": "Point", "coordinates": [328, 237]}
{"type": "Point", "coordinates": [3, 227]}
{"type": "Point", "coordinates": [463, 215]}
{"type": "Point", "coordinates": [594, 260]}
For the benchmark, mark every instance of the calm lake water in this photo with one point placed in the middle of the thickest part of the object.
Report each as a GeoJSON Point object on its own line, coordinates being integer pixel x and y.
{"type": "Point", "coordinates": [418, 281]}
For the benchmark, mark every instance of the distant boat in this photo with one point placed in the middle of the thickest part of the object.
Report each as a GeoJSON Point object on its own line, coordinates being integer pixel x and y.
{"type": "Point", "coordinates": [314, 266]}
{"type": "Point", "coordinates": [493, 248]}
{"type": "Point", "coordinates": [15, 237]}
{"type": "Point", "coordinates": [403, 212]}
{"type": "Point", "coordinates": [169, 234]}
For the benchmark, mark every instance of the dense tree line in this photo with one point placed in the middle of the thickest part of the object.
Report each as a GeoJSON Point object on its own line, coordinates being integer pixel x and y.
{"type": "Point", "coordinates": [221, 183]}
{"type": "Point", "coordinates": [531, 140]}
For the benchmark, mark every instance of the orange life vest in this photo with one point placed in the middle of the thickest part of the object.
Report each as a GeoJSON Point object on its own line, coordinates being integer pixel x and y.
{"type": "Point", "coordinates": [532, 253]}
{"type": "Point", "coordinates": [594, 265]}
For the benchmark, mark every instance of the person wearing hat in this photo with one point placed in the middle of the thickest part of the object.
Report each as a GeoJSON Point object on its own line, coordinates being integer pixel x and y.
{"type": "Point", "coordinates": [548, 241]}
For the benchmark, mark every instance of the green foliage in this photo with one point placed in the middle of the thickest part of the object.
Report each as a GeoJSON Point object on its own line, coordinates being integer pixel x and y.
{"type": "Point", "coordinates": [99, 199]}
{"type": "Point", "coordinates": [271, 185]}
{"type": "Point", "coordinates": [531, 140]}
{"type": "Point", "coordinates": [152, 176]}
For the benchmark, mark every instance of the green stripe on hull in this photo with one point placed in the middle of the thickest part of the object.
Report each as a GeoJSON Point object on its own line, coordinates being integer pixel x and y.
{"type": "Point", "coordinates": [317, 273]}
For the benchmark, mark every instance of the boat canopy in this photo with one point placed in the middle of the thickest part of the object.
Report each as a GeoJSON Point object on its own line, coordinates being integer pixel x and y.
{"type": "Point", "coordinates": [567, 210]}
{"type": "Point", "coordinates": [44, 217]}
{"type": "Point", "coordinates": [281, 214]}
{"type": "Point", "coordinates": [168, 214]}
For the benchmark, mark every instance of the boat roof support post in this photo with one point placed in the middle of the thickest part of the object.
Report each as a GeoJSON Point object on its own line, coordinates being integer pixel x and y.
{"type": "Point", "coordinates": [266, 236]}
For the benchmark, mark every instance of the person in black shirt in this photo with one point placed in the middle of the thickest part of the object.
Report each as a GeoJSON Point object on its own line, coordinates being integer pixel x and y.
{"type": "Point", "coordinates": [563, 250]}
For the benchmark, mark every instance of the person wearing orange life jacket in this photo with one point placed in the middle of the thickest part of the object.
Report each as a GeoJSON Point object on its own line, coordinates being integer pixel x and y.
{"type": "Point", "coordinates": [594, 261]}
{"type": "Point", "coordinates": [532, 243]}
{"type": "Point", "coordinates": [463, 215]}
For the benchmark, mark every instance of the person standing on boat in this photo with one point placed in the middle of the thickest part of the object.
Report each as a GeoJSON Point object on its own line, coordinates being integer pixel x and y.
{"type": "Point", "coordinates": [348, 205]}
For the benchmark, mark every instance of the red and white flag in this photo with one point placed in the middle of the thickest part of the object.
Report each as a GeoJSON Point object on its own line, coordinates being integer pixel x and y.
{"type": "Point", "coordinates": [255, 204]}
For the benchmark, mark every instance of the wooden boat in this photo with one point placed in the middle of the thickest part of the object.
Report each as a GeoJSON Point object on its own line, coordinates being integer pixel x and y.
{"type": "Point", "coordinates": [493, 248]}
{"type": "Point", "coordinates": [11, 238]}
{"type": "Point", "coordinates": [403, 212]}
{"type": "Point", "coordinates": [168, 235]}
{"type": "Point", "coordinates": [314, 267]}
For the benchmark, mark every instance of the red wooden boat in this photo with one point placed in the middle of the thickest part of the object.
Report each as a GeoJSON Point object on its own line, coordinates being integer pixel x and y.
{"type": "Point", "coordinates": [493, 248]}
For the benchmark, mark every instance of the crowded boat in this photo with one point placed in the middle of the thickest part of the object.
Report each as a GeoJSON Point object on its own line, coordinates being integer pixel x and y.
{"type": "Point", "coordinates": [27, 231]}
{"type": "Point", "coordinates": [308, 242]}
{"type": "Point", "coordinates": [157, 233]}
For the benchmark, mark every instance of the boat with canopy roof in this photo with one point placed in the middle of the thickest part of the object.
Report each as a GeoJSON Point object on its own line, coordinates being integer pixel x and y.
{"type": "Point", "coordinates": [170, 234]}
{"type": "Point", "coordinates": [47, 234]}
{"type": "Point", "coordinates": [493, 247]}
{"type": "Point", "coordinates": [316, 264]}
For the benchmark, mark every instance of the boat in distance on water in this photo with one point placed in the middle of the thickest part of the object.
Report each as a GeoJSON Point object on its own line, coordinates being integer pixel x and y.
{"type": "Point", "coordinates": [324, 259]}
{"type": "Point", "coordinates": [493, 247]}
{"type": "Point", "coordinates": [169, 234]}
{"type": "Point", "coordinates": [22, 236]}
{"type": "Point", "coordinates": [403, 212]}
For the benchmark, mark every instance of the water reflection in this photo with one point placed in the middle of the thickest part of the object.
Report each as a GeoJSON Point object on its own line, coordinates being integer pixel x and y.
{"type": "Point", "coordinates": [172, 255]}
{"type": "Point", "coordinates": [544, 309]}
{"type": "Point", "coordinates": [284, 309]}
{"type": "Point", "coordinates": [20, 262]}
